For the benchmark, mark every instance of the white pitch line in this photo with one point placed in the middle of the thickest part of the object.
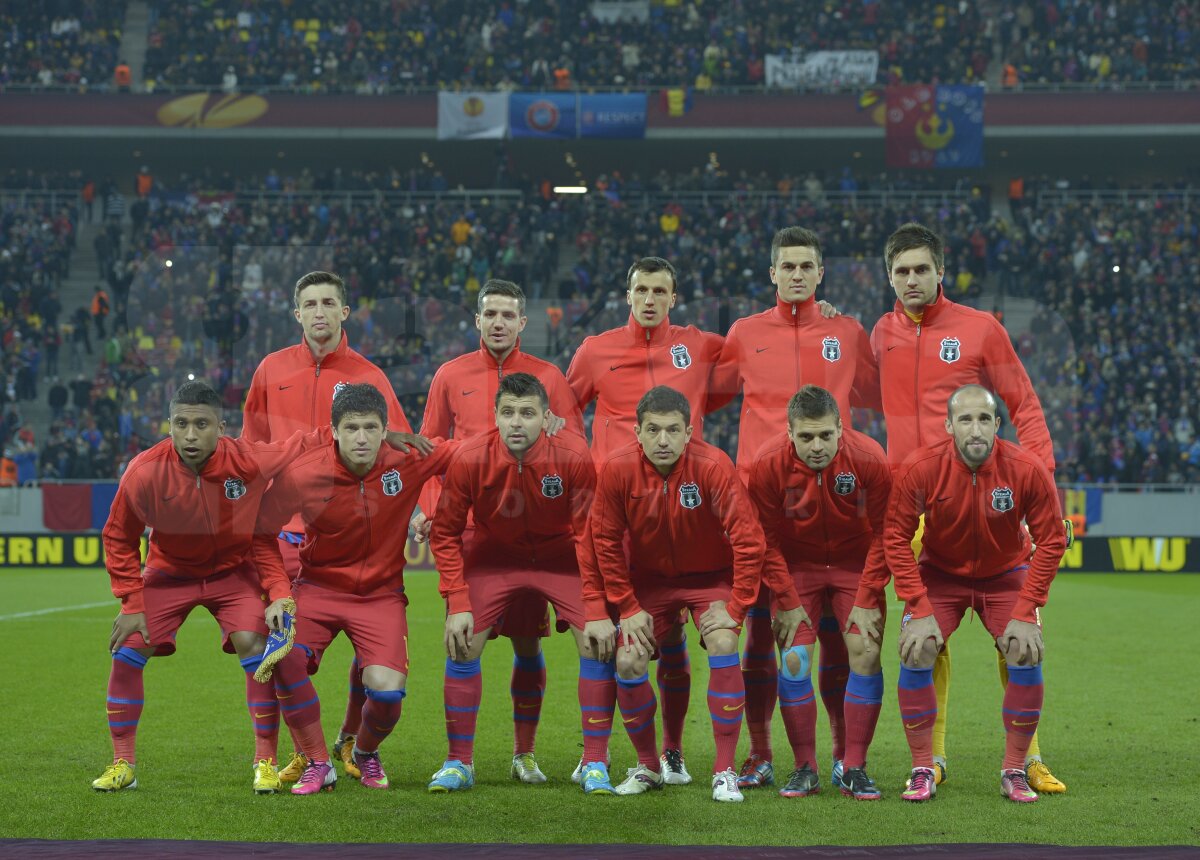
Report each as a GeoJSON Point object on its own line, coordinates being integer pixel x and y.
{"type": "Point", "coordinates": [79, 606]}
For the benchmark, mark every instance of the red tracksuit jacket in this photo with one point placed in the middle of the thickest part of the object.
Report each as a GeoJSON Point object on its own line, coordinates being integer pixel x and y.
{"type": "Point", "coordinates": [201, 524]}
{"type": "Point", "coordinates": [831, 517]}
{"type": "Point", "coordinates": [771, 355]}
{"type": "Point", "coordinates": [695, 520]}
{"type": "Point", "coordinates": [973, 522]}
{"type": "Point", "coordinates": [354, 528]}
{"type": "Point", "coordinates": [617, 367]}
{"type": "Point", "coordinates": [527, 512]}
{"type": "Point", "coordinates": [291, 392]}
{"type": "Point", "coordinates": [921, 365]}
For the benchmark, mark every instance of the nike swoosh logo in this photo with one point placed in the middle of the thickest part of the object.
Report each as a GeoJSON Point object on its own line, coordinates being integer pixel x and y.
{"type": "Point", "coordinates": [469, 393]}
{"type": "Point", "coordinates": [596, 722]}
{"type": "Point", "coordinates": [890, 348]}
{"type": "Point", "coordinates": [119, 711]}
{"type": "Point", "coordinates": [327, 499]}
{"type": "Point", "coordinates": [168, 498]}
{"type": "Point", "coordinates": [288, 696]}
{"type": "Point", "coordinates": [632, 496]}
{"type": "Point", "coordinates": [1015, 723]}
{"type": "Point", "coordinates": [674, 676]}
{"type": "Point", "coordinates": [284, 387]}
{"type": "Point", "coordinates": [616, 366]}
{"type": "Point", "coordinates": [762, 349]}
{"type": "Point", "coordinates": [732, 707]}
{"type": "Point", "coordinates": [527, 706]}
{"type": "Point", "coordinates": [915, 725]}
{"type": "Point", "coordinates": [264, 715]}
{"type": "Point", "coordinates": [629, 720]}
{"type": "Point", "coordinates": [944, 498]}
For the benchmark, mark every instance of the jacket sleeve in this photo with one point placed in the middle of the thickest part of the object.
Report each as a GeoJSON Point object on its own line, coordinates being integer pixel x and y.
{"type": "Point", "coordinates": [122, 538]}
{"type": "Point", "coordinates": [397, 420]}
{"type": "Point", "coordinates": [745, 538]}
{"type": "Point", "coordinates": [1007, 377]}
{"type": "Point", "coordinates": [905, 507]}
{"type": "Point", "coordinates": [256, 423]}
{"type": "Point", "coordinates": [583, 499]}
{"type": "Point", "coordinates": [563, 403]}
{"type": "Point", "coordinates": [865, 392]}
{"type": "Point", "coordinates": [279, 504]}
{"type": "Point", "coordinates": [1044, 518]}
{"type": "Point", "coordinates": [445, 537]}
{"type": "Point", "coordinates": [875, 574]}
{"type": "Point", "coordinates": [580, 377]}
{"type": "Point", "coordinates": [766, 495]}
{"type": "Point", "coordinates": [726, 379]}
{"type": "Point", "coordinates": [436, 422]}
{"type": "Point", "coordinates": [609, 523]}
{"type": "Point", "coordinates": [274, 457]}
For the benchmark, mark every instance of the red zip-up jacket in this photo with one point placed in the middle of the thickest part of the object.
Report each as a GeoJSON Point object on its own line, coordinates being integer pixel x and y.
{"type": "Point", "coordinates": [769, 356]}
{"type": "Point", "coordinates": [617, 367]}
{"type": "Point", "coordinates": [354, 528]}
{"type": "Point", "coordinates": [462, 399]}
{"type": "Point", "coordinates": [831, 517]}
{"type": "Point", "coordinates": [696, 520]}
{"type": "Point", "coordinates": [291, 392]}
{"type": "Point", "coordinates": [921, 365]}
{"type": "Point", "coordinates": [527, 512]}
{"type": "Point", "coordinates": [973, 522]}
{"type": "Point", "coordinates": [202, 524]}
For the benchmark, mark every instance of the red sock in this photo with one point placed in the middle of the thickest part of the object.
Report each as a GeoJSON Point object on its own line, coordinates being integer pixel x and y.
{"type": "Point", "coordinates": [264, 711]}
{"type": "Point", "coordinates": [380, 714]}
{"type": "Point", "coordinates": [798, 707]}
{"type": "Point", "coordinates": [299, 704]}
{"type": "Point", "coordinates": [759, 671]}
{"type": "Point", "coordinates": [528, 687]}
{"type": "Point", "coordinates": [126, 696]}
{"type": "Point", "coordinates": [355, 702]}
{"type": "Point", "coordinates": [833, 669]}
{"type": "Point", "coordinates": [597, 699]}
{"type": "Point", "coordinates": [638, 707]}
{"type": "Point", "coordinates": [864, 698]}
{"type": "Point", "coordinates": [1022, 710]}
{"type": "Point", "coordinates": [674, 677]}
{"type": "Point", "coordinates": [918, 711]}
{"type": "Point", "coordinates": [461, 692]}
{"type": "Point", "coordinates": [726, 701]}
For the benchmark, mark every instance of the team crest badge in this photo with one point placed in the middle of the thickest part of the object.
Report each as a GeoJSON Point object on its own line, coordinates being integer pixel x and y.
{"type": "Point", "coordinates": [843, 484]}
{"type": "Point", "coordinates": [235, 488]}
{"type": "Point", "coordinates": [689, 495]}
{"type": "Point", "coordinates": [391, 483]}
{"type": "Point", "coordinates": [337, 389]}
{"type": "Point", "coordinates": [680, 357]}
{"type": "Point", "coordinates": [951, 350]}
{"type": "Point", "coordinates": [552, 486]}
{"type": "Point", "coordinates": [1002, 499]}
{"type": "Point", "coordinates": [831, 349]}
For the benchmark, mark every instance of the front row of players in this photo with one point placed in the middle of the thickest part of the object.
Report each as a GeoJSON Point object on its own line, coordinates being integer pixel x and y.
{"type": "Point", "coordinates": [666, 527]}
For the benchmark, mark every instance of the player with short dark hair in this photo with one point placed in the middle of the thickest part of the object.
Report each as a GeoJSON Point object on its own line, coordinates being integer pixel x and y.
{"type": "Point", "coordinates": [821, 491]}
{"type": "Point", "coordinates": [694, 545]}
{"type": "Point", "coordinates": [355, 498]}
{"type": "Point", "coordinates": [199, 492]}
{"type": "Point", "coordinates": [975, 491]}
{"type": "Point", "coordinates": [530, 495]}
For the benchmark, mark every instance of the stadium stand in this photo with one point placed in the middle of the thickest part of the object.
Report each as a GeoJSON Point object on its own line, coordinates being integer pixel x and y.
{"type": "Point", "coordinates": [60, 42]}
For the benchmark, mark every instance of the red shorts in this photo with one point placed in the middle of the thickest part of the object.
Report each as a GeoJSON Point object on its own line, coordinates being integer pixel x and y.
{"type": "Point", "coordinates": [234, 598]}
{"type": "Point", "coordinates": [526, 615]}
{"type": "Point", "coordinates": [513, 593]}
{"type": "Point", "coordinates": [993, 599]}
{"type": "Point", "coordinates": [376, 624]}
{"type": "Point", "coordinates": [822, 588]}
{"type": "Point", "coordinates": [666, 598]}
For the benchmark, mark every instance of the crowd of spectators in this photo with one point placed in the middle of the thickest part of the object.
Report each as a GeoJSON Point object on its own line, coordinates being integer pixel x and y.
{"type": "Point", "coordinates": [60, 42]}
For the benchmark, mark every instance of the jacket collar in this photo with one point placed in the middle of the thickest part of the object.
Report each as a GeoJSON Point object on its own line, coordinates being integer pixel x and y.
{"type": "Point", "coordinates": [932, 310]}
{"type": "Point", "coordinates": [796, 313]}
{"type": "Point", "coordinates": [490, 360]}
{"type": "Point", "coordinates": [535, 453]}
{"type": "Point", "coordinates": [338, 354]}
{"type": "Point", "coordinates": [643, 336]}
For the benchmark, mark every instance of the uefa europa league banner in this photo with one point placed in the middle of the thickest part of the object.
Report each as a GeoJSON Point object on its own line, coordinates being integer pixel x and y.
{"type": "Point", "coordinates": [472, 116]}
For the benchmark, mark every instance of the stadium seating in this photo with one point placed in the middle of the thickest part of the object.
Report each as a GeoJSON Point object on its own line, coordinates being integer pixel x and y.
{"type": "Point", "coordinates": [61, 43]}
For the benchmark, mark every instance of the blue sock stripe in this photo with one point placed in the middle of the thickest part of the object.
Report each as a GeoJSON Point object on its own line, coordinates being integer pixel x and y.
{"type": "Point", "coordinates": [909, 716]}
{"type": "Point", "coordinates": [594, 670]}
{"type": "Point", "coordinates": [131, 657]}
{"type": "Point", "coordinates": [460, 737]}
{"type": "Point", "coordinates": [1018, 713]}
{"type": "Point", "coordinates": [675, 689]}
{"type": "Point", "coordinates": [113, 700]}
{"type": "Point", "coordinates": [717, 695]}
{"type": "Point", "coordinates": [674, 663]}
{"type": "Point", "coordinates": [641, 728]}
{"type": "Point", "coordinates": [457, 710]}
{"type": "Point", "coordinates": [526, 694]}
{"type": "Point", "coordinates": [867, 689]}
{"type": "Point", "coordinates": [591, 734]}
{"type": "Point", "coordinates": [121, 724]}
{"type": "Point", "coordinates": [915, 679]}
{"type": "Point", "coordinates": [300, 683]}
{"type": "Point", "coordinates": [269, 704]}
{"type": "Point", "coordinates": [1025, 676]}
{"type": "Point", "coordinates": [758, 612]}
{"type": "Point", "coordinates": [723, 661]}
{"type": "Point", "coordinates": [356, 689]}
{"type": "Point", "coordinates": [530, 664]}
{"type": "Point", "coordinates": [633, 682]}
{"type": "Point", "coordinates": [679, 648]}
{"type": "Point", "coordinates": [832, 692]}
{"type": "Point", "coordinates": [251, 663]}
{"type": "Point", "coordinates": [522, 718]}
{"type": "Point", "coordinates": [386, 695]}
{"type": "Point", "coordinates": [726, 720]}
{"type": "Point", "coordinates": [267, 727]}
{"type": "Point", "coordinates": [466, 669]}
{"type": "Point", "coordinates": [299, 705]}
{"type": "Point", "coordinates": [638, 709]}
{"type": "Point", "coordinates": [759, 682]}
{"type": "Point", "coordinates": [601, 708]}
{"type": "Point", "coordinates": [796, 703]}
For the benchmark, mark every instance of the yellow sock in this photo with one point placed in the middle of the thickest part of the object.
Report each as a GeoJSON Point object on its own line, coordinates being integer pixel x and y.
{"type": "Point", "coordinates": [1035, 750]}
{"type": "Point", "coordinates": [941, 688]}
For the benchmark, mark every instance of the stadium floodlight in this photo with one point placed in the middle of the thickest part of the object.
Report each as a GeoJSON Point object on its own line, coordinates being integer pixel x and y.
{"type": "Point", "coordinates": [1116, 268]}
{"type": "Point", "coordinates": [570, 189]}
{"type": "Point", "coordinates": [168, 264]}
{"type": "Point", "coordinates": [191, 376]}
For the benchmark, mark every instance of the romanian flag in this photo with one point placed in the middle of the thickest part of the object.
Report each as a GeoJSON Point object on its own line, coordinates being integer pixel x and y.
{"type": "Point", "coordinates": [934, 126]}
{"type": "Point", "coordinates": [677, 101]}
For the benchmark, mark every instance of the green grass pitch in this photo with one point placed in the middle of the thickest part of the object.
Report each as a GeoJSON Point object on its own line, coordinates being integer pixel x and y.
{"type": "Point", "coordinates": [1120, 727]}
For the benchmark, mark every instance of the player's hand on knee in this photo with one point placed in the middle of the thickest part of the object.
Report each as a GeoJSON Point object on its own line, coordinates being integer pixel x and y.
{"type": "Point", "coordinates": [1021, 643]}
{"type": "Point", "coordinates": [914, 636]}
{"type": "Point", "coordinates": [637, 633]}
{"type": "Point", "coordinates": [603, 636]}
{"type": "Point", "coordinates": [420, 525]}
{"type": "Point", "coordinates": [869, 623]}
{"type": "Point", "coordinates": [124, 626]}
{"type": "Point", "coordinates": [785, 624]}
{"type": "Point", "coordinates": [460, 630]}
{"type": "Point", "coordinates": [716, 617]}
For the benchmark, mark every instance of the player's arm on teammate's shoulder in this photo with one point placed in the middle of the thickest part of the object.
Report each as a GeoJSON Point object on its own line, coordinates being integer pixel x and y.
{"type": "Point", "coordinates": [563, 406]}
{"type": "Point", "coordinates": [1007, 377]}
{"type": "Point", "coordinates": [865, 392]}
{"type": "Point", "coordinates": [256, 425]}
{"type": "Point", "coordinates": [404, 442]}
{"type": "Point", "coordinates": [725, 381]}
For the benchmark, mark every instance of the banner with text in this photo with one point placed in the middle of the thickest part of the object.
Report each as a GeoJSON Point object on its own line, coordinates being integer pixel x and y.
{"type": "Point", "coordinates": [549, 116]}
{"type": "Point", "coordinates": [613, 116]}
{"type": "Point", "coordinates": [618, 11]}
{"type": "Point", "coordinates": [935, 126]}
{"type": "Point", "coordinates": [472, 116]}
{"type": "Point", "coordinates": [822, 69]}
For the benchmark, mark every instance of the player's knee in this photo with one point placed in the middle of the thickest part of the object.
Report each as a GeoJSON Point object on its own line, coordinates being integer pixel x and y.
{"type": "Point", "coordinates": [796, 663]}
{"type": "Point", "coordinates": [631, 665]}
{"type": "Point", "coordinates": [864, 660]}
{"type": "Point", "coordinates": [247, 643]}
{"type": "Point", "coordinates": [526, 646]}
{"type": "Point", "coordinates": [721, 642]}
{"type": "Point", "coordinates": [383, 678]}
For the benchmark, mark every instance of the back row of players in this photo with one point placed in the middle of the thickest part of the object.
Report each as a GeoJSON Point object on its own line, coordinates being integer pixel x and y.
{"type": "Point", "coordinates": [813, 511]}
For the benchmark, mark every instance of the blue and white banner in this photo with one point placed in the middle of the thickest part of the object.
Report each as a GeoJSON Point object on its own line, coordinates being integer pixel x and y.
{"type": "Point", "coordinates": [549, 116]}
{"type": "Point", "coordinates": [613, 116]}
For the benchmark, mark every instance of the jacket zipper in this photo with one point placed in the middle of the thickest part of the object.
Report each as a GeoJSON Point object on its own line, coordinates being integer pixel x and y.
{"type": "Point", "coordinates": [667, 517]}
{"type": "Point", "coordinates": [649, 360]}
{"type": "Point", "coordinates": [208, 519]}
{"type": "Point", "coordinates": [917, 384]}
{"type": "Point", "coordinates": [312, 412]}
{"type": "Point", "coordinates": [796, 345]}
{"type": "Point", "coordinates": [821, 507]}
{"type": "Point", "coordinates": [975, 522]}
{"type": "Point", "coordinates": [525, 513]}
{"type": "Point", "coordinates": [362, 493]}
